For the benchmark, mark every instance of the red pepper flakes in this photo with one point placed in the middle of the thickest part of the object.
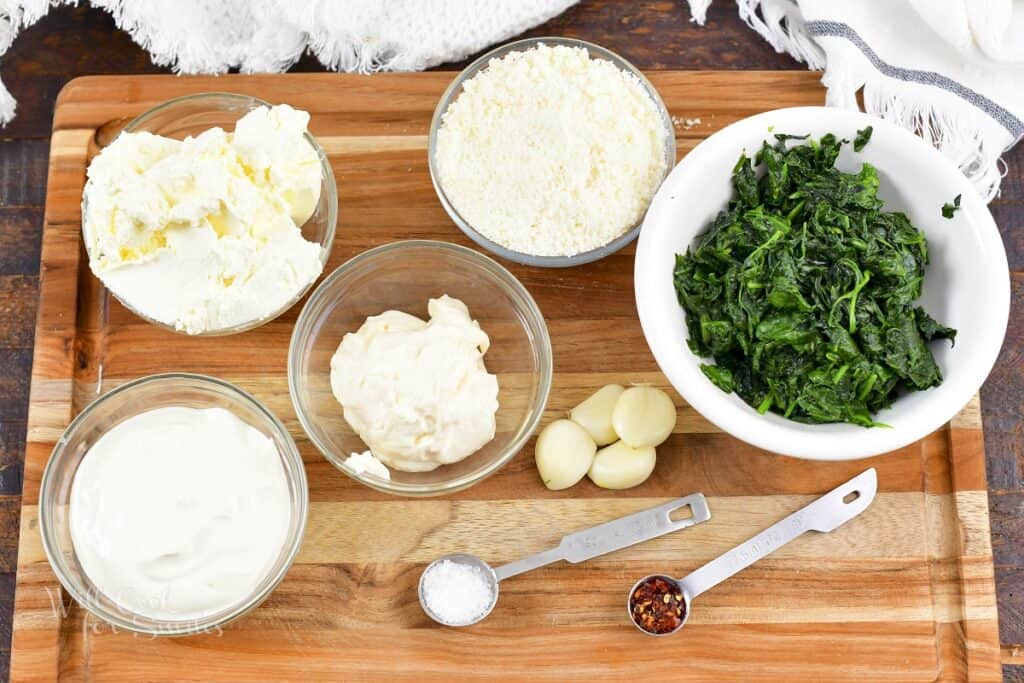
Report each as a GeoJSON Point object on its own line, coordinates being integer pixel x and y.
{"type": "Point", "coordinates": [657, 605]}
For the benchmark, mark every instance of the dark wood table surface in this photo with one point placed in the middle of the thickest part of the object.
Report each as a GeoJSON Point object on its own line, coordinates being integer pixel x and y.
{"type": "Point", "coordinates": [653, 34]}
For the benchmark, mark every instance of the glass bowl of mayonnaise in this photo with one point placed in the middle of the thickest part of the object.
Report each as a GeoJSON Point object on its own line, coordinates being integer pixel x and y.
{"type": "Point", "coordinates": [172, 505]}
{"type": "Point", "coordinates": [210, 214]}
{"type": "Point", "coordinates": [420, 367]}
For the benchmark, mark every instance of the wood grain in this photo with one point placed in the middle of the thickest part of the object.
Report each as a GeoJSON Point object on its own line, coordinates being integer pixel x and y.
{"type": "Point", "coordinates": [18, 294]}
{"type": "Point", "coordinates": [1010, 219]}
{"type": "Point", "coordinates": [74, 41]}
{"type": "Point", "coordinates": [14, 383]}
{"type": "Point", "coordinates": [20, 239]}
{"type": "Point", "coordinates": [12, 448]}
{"type": "Point", "coordinates": [904, 593]}
{"type": "Point", "coordinates": [22, 173]}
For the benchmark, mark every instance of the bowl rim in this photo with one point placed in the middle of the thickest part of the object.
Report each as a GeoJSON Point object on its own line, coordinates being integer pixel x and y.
{"type": "Point", "coordinates": [189, 626]}
{"type": "Point", "coordinates": [451, 94]}
{"type": "Point", "coordinates": [326, 244]}
{"type": "Point", "coordinates": [541, 344]}
{"type": "Point", "coordinates": [748, 425]}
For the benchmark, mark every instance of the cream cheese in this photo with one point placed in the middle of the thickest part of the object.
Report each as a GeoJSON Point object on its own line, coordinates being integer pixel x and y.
{"type": "Point", "coordinates": [203, 233]}
{"type": "Point", "coordinates": [417, 392]}
{"type": "Point", "coordinates": [177, 513]}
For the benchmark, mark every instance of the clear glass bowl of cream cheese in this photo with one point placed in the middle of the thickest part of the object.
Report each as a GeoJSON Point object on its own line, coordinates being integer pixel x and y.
{"type": "Point", "coordinates": [209, 555]}
{"type": "Point", "coordinates": [405, 276]}
{"type": "Point", "coordinates": [557, 135]}
{"type": "Point", "coordinates": [256, 285]}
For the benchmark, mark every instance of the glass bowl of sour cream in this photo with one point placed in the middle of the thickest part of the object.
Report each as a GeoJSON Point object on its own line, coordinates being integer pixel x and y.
{"type": "Point", "coordinates": [404, 391]}
{"type": "Point", "coordinates": [210, 214]}
{"type": "Point", "coordinates": [173, 504]}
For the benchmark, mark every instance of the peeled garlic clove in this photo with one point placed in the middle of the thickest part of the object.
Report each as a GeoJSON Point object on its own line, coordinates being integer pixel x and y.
{"type": "Point", "coordinates": [620, 466]}
{"type": "Point", "coordinates": [595, 414]}
{"type": "Point", "coordinates": [644, 416]}
{"type": "Point", "coordinates": [564, 453]}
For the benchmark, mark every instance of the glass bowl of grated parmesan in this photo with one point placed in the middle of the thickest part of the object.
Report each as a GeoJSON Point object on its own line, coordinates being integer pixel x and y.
{"type": "Point", "coordinates": [548, 151]}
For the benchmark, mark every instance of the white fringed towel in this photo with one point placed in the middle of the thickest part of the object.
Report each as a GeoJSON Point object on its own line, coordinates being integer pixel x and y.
{"type": "Point", "coordinates": [952, 71]}
{"type": "Point", "coordinates": [213, 36]}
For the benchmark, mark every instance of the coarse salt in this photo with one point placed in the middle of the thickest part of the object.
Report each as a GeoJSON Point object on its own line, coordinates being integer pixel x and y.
{"type": "Point", "coordinates": [550, 152]}
{"type": "Point", "coordinates": [458, 594]}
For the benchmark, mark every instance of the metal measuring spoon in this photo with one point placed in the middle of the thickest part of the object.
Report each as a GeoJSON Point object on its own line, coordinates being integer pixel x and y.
{"type": "Point", "coordinates": [825, 514]}
{"type": "Point", "coordinates": [581, 545]}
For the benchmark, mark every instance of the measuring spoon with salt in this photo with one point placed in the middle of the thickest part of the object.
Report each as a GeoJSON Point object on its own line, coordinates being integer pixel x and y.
{"type": "Point", "coordinates": [669, 595]}
{"type": "Point", "coordinates": [577, 547]}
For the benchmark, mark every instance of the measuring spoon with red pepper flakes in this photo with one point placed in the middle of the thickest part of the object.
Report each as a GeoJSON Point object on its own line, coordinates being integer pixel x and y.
{"type": "Point", "coordinates": [659, 605]}
{"type": "Point", "coordinates": [580, 546]}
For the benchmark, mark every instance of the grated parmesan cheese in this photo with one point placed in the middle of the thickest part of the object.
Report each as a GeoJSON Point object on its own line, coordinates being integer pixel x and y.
{"type": "Point", "coordinates": [550, 152]}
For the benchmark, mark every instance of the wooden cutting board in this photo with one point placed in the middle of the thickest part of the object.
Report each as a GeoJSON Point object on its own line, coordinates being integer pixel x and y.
{"type": "Point", "coordinates": [904, 593]}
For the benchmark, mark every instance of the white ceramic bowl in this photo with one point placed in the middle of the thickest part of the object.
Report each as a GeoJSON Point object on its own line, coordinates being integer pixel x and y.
{"type": "Point", "coordinates": [966, 285]}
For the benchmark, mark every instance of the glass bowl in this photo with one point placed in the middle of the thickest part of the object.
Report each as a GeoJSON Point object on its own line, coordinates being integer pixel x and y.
{"type": "Point", "coordinates": [193, 114]}
{"type": "Point", "coordinates": [453, 92]}
{"type": "Point", "coordinates": [128, 400]}
{"type": "Point", "coordinates": [403, 276]}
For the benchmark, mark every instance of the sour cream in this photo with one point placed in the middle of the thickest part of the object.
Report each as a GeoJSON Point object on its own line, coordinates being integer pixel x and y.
{"type": "Point", "coordinates": [177, 513]}
{"type": "Point", "coordinates": [417, 392]}
{"type": "Point", "coordinates": [367, 463]}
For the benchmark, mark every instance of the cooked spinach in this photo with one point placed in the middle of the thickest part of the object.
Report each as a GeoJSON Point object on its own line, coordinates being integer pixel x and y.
{"type": "Point", "coordinates": [949, 209]}
{"type": "Point", "coordinates": [863, 136]}
{"type": "Point", "coordinates": [803, 289]}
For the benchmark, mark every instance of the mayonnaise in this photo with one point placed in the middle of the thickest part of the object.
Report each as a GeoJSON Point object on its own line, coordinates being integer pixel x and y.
{"type": "Point", "coordinates": [367, 463]}
{"type": "Point", "coordinates": [417, 392]}
{"type": "Point", "coordinates": [177, 513]}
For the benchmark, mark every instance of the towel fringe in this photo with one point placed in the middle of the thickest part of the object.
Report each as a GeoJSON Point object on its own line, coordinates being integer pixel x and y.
{"type": "Point", "coordinates": [699, 11]}
{"type": "Point", "coordinates": [951, 127]}
{"type": "Point", "coordinates": [7, 104]}
{"type": "Point", "coordinates": [782, 25]}
{"type": "Point", "coordinates": [257, 36]}
{"type": "Point", "coordinates": [346, 53]}
{"type": "Point", "coordinates": [777, 21]}
{"type": "Point", "coordinates": [16, 15]}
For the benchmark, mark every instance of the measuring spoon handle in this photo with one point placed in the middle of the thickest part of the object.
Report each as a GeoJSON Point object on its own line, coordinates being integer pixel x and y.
{"type": "Point", "coordinates": [825, 514]}
{"type": "Point", "coordinates": [614, 535]}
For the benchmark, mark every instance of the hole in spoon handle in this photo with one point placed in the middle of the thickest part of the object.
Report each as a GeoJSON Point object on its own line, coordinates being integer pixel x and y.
{"type": "Point", "coordinates": [684, 512]}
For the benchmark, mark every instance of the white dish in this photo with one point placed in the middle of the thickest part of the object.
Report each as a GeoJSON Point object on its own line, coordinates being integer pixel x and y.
{"type": "Point", "coordinates": [966, 285]}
